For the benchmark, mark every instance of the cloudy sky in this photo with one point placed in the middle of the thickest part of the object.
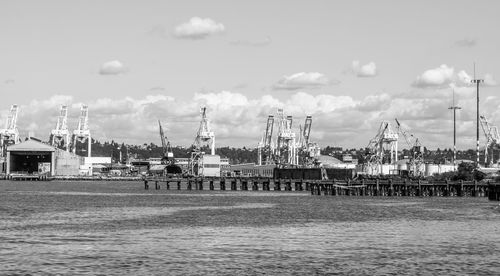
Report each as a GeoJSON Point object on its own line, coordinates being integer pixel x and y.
{"type": "Point", "coordinates": [349, 64]}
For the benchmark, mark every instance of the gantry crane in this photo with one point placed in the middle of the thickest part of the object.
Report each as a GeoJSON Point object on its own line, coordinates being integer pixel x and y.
{"type": "Point", "coordinates": [286, 152]}
{"type": "Point", "coordinates": [168, 155]}
{"type": "Point", "coordinates": [308, 151]}
{"type": "Point", "coordinates": [61, 132]}
{"type": "Point", "coordinates": [266, 148]}
{"type": "Point", "coordinates": [82, 132]}
{"type": "Point", "coordinates": [492, 140]}
{"type": "Point", "coordinates": [386, 139]}
{"type": "Point", "coordinates": [203, 136]}
{"type": "Point", "coordinates": [416, 150]}
{"type": "Point", "coordinates": [9, 135]}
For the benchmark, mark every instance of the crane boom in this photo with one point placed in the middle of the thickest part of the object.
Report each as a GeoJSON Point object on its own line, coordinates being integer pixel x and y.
{"type": "Point", "coordinates": [204, 133]}
{"type": "Point", "coordinates": [416, 149]}
{"type": "Point", "coordinates": [165, 144]}
{"type": "Point", "coordinates": [307, 130]}
{"type": "Point", "coordinates": [269, 131]}
{"type": "Point", "coordinates": [492, 138]}
{"type": "Point", "coordinates": [61, 133]}
{"type": "Point", "coordinates": [9, 135]}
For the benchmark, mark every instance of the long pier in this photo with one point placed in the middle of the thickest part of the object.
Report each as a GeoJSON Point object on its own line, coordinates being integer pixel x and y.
{"type": "Point", "coordinates": [401, 188]}
{"type": "Point", "coordinates": [366, 187]}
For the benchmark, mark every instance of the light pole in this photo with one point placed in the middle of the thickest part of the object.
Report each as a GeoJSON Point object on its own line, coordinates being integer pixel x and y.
{"type": "Point", "coordinates": [477, 82]}
{"type": "Point", "coordinates": [454, 108]}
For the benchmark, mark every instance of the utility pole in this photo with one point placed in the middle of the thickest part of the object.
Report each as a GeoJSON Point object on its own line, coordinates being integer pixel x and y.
{"type": "Point", "coordinates": [477, 82]}
{"type": "Point", "coordinates": [454, 108]}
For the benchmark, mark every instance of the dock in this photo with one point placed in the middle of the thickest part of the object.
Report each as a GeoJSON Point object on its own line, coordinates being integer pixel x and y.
{"type": "Point", "coordinates": [494, 191]}
{"type": "Point", "coordinates": [366, 187]}
{"type": "Point", "coordinates": [407, 188]}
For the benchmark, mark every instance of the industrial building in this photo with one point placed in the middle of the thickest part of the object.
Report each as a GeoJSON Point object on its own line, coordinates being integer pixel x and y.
{"type": "Point", "coordinates": [33, 157]}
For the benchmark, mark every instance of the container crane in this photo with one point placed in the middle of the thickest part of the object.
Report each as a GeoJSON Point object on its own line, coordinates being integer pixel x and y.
{"type": "Point", "coordinates": [265, 147]}
{"type": "Point", "coordinates": [168, 155]}
{"type": "Point", "coordinates": [61, 132]}
{"type": "Point", "coordinates": [492, 140]}
{"type": "Point", "coordinates": [416, 150]}
{"type": "Point", "coordinates": [308, 150]}
{"type": "Point", "coordinates": [286, 151]}
{"type": "Point", "coordinates": [82, 132]}
{"type": "Point", "coordinates": [203, 136]}
{"type": "Point", "coordinates": [386, 139]}
{"type": "Point", "coordinates": [9, 135]}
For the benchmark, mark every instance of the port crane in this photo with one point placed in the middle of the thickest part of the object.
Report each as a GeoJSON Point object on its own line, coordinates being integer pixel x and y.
{"type": "Point", "coordinates": [416, 150]}
{"type": "Point", "coordinates": [204, 136]}
{"type": "Point", "coordinates": [168, 155]}
{"type": "Point", "coordinates": [286, 152]}
{"type": "Point", "coordinates": [492, 140]}
{"type": "Point", "coordinates": [308, 151]}
{"type": "Point", "coordinates": [82, 132]}
{"type": "Point", "coordinates": [266, 147]}
{"type": "Point", "coordinates": [385, 139]}
{"type": "Point", "coordinates": [61, 133]}
{"type": "Point", "coordinates": [9, 135]}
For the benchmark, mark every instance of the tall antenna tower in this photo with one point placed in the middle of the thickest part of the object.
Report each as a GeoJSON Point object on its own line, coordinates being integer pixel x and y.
{"type": "Point", "coordinates": [82, 132]}
{"type": "Point", "coordinates": [9, 135]}
{"type": "Point", "coordinates": [477, 82]}
{"type": "Point", "coordinates": [454, 108]}
{"type": "Point", "coordinates": [61, 132]}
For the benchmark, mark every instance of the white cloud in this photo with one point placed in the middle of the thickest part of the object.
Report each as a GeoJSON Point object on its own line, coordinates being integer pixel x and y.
{"type": "Point", "coordinates": [198, 28]}
{"type": "Point", "coordinates": [367, 70]}
{"type": "Point", "coordinates": [239, 120]}
{"type": "Point", "coordinates": [489, 80]}
{"type": "Point", "coordinates": [114, 67]}
{"type": "Point", "coordinates": [463, 79]}
{"type": "Point", "coordinates": [302, 80]}
{"type": "Point", "coordinates": [438, 77]}
{"type": "Point", "coordinates": [444, 77]}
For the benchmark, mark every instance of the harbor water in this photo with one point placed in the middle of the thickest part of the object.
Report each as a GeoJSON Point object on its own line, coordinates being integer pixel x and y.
{"type": "Point", "coordinates": [118, 228]}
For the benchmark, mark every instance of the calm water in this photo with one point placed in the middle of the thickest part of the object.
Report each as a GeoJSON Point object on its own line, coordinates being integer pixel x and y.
{"type": "Point", "coordinates": [113, 228]}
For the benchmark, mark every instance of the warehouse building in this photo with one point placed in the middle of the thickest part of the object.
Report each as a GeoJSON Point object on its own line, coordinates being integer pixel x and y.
{"type": "Point", "coordinates": [32, 157]}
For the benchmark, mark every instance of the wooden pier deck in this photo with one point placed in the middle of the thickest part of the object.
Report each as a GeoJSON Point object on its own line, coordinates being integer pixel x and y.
{"type": "Point", "coordinates": [373, 187]}
{"type": "Point", "coordinates": [401, 188]}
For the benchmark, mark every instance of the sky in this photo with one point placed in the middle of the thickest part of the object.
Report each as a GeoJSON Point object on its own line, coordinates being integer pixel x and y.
{"type": "Point", "coordinates": [348, 64]}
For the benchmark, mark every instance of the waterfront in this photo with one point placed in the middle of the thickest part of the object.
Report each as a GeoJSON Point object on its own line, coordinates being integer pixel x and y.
{"type": "Point", "coordinates": [116, 228]}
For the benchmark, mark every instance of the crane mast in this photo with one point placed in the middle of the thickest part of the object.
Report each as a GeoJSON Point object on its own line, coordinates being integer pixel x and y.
{"type": "Point", "coordinates": [61, 132]}
{"type": "Point", "coordinates": [82, 132]}
{"type": "Point", "coordinates": [9, 135]}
